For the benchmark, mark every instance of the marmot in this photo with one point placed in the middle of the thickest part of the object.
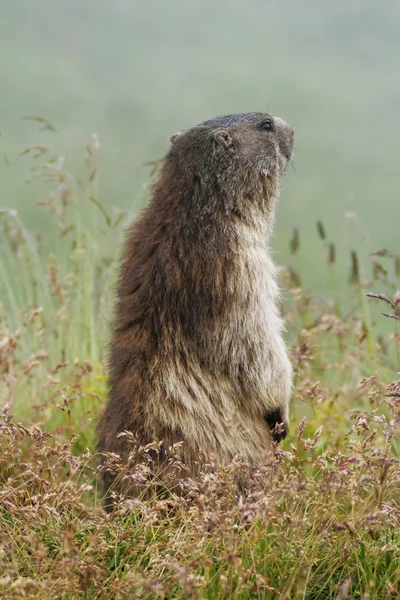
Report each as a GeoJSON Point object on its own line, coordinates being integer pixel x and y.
{"type": "Point", "coordinates": [197, 354]}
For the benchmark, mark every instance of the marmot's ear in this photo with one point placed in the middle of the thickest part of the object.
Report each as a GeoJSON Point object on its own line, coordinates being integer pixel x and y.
{"type": "Point", "coordinates": [225, 139]}
{"type": "Point", "coordinates": [174, 137]}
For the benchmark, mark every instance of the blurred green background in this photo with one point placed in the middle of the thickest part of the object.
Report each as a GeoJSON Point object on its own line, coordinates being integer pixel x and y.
{"type": "Point", "coordinates": [136, 72]}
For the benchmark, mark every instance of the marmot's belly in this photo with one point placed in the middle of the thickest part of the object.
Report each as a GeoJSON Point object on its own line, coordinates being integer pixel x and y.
{"type": "Point", "coordinates": [209, 415]}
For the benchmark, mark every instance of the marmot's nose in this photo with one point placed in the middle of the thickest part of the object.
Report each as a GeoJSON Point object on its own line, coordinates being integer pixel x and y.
{"type": "Point", "coordinates": [285, 137]}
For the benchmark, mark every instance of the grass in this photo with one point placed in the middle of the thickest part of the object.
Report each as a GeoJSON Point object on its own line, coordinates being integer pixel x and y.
{"type": "Point", "coordinates": [321, 517]}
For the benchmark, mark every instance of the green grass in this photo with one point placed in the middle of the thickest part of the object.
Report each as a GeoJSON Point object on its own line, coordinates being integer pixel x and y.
{"type": "Point", "coordinates": [321, 517]}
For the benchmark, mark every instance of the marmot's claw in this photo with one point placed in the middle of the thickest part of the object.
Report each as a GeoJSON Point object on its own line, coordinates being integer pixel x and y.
{"type": "Point", "coordinates": [279, 429]}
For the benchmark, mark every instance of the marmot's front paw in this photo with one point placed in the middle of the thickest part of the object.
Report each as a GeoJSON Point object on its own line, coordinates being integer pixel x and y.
{"type": "Point", "coordinates": [276, 424]}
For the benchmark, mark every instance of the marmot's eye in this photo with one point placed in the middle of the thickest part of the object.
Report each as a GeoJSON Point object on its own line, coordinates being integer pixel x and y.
{"type": "Point", "coordinates": [266, 126]}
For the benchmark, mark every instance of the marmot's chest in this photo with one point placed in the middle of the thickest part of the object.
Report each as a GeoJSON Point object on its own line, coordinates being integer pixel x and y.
{"type": "Point", "coordinates": [251, 320]}
{"type": "Point", "coordinates": [255, 274]}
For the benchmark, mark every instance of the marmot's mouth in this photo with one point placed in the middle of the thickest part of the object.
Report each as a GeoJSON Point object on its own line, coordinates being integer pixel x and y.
{"type": "Point", "coordinates": [285, 154]}
{"type": "Point", "coordinates": [285, 158]}
{"type": "Point", "coordinates": [289, 155]}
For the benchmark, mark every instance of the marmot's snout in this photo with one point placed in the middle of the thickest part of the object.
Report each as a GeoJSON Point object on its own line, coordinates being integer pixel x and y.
{"type": "Point", "coordinates": [285, 138]}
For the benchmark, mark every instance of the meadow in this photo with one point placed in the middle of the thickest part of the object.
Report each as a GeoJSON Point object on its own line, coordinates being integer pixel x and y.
{"type": "Point", "coordinates": [320, 518]}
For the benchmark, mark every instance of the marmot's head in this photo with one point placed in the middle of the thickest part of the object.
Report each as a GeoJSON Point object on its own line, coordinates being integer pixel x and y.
{"type": "Point", "coordinates": [229, 166]}
{"type": "Point", "coordinates": [257, 141]}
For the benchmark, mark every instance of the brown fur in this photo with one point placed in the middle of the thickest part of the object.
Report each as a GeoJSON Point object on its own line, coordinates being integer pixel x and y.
{"type": "Point", "coordinates": [197, 354]}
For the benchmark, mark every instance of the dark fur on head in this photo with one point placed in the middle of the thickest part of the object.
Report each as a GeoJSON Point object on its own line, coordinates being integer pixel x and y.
{"type": "Point", "coordinates": [234, 158]}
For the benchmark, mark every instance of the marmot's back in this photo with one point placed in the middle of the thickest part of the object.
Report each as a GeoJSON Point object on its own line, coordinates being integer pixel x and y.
{"type": "Point", "coordinates": [197, 354]}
